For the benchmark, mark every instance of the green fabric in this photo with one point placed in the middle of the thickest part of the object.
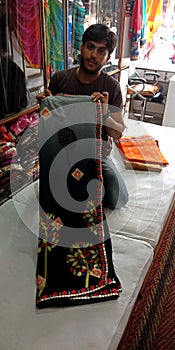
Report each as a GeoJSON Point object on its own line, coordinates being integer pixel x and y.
{"type": "Point", "coordinates": [54, 37]}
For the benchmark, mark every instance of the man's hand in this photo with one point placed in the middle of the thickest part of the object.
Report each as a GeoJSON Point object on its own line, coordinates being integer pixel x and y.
{"type": "Point", "coordinates": [104, 97]}
{"type": "Point", "coordinates": [43, 95]}
{"type": "Point", "coordinates": [114, 124]}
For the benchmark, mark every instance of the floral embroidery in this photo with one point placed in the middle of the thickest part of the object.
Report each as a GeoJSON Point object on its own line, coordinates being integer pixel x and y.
{"type": "Point", "coordinates": [40, 282]}
{"type": "Point", "coordinates": [49, 239]}
{"type": "Point", "coordinates": [92, 216]}
{"type": "Point", "coordinates": [49, 227]}
{"type": "Point", "coordinates": [96, 272]}
{"type": "Point", "coordinates": [84, 261]}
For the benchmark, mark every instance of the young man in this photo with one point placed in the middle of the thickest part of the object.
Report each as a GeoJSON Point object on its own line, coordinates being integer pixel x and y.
{"type": "Point", "coordinates": [98, 43]}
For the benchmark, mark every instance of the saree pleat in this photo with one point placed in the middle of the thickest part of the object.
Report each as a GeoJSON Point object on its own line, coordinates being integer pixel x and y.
{"type": "Point", "coordinates": [75, 263]}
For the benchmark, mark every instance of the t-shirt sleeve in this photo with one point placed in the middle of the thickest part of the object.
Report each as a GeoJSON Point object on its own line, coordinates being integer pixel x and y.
{"type": "Point", "coordinates": [53, 85]}
{"type": "Point", "coordinates": [116, 100]}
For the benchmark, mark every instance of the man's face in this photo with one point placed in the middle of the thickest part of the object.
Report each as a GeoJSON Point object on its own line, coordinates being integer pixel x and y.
{"type": "Point", "coordinates": [94, 56]}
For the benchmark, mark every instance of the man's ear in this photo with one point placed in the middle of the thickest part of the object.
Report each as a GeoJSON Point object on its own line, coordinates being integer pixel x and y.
{"type": "Point", "coordinates": [109, 56]}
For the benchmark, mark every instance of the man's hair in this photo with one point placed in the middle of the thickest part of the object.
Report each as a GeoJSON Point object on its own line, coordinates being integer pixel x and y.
{"type": "Point", "coordinates": [99, 32]}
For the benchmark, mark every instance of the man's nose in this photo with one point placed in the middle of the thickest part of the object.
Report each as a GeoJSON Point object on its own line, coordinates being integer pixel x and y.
{"type": "Point", "coordinates": [94, 52]}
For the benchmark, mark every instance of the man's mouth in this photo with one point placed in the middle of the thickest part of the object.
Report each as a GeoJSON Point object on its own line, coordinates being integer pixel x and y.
{"type": "Point", "coordinates": [91, 62]}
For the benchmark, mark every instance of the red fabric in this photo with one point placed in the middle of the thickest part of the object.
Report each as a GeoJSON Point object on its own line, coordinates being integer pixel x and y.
{"type": "Point", "coordinates": [136, 19]}
{"type": "Point", "coordinates": [26, 21]}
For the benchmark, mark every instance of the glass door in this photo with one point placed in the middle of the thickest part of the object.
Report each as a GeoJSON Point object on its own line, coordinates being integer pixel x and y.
{"type": "Point", "coordinates": [83, 13]}
{"type": "Point", "coordinates": [21, 59]}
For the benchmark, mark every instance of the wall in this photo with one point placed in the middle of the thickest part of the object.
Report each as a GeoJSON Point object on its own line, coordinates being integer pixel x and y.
{"type": "Point", "coordinates": [169, 117]}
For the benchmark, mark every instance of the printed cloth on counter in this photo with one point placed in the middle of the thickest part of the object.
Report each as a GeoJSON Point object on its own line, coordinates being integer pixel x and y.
{"type": "Point", "coordinates": [143, 149]}
{"type": "Point", "coordinates": [75, 263]}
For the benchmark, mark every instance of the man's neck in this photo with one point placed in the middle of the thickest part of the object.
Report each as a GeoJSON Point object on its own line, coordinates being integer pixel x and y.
{"type": "Point", "coordinates": [85, 77]}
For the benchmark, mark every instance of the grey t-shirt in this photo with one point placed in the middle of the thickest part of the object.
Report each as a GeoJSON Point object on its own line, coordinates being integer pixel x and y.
{"type": "Point", "coordinates": [67, 82]}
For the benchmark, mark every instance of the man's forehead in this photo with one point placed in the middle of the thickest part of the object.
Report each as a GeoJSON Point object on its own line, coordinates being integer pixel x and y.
{"type": "Point", "coordinates": [102, 43]}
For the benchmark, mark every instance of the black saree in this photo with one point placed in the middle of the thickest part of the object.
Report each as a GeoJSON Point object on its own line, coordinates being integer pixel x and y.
{"type": "Point", "coordinates": [74, 251]}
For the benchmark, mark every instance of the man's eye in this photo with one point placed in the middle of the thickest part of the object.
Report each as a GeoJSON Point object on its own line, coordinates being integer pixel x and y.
{"type": "Point", "coordinates": [90, 47]}
{"type": "Point", "coordinates": [102, 51]}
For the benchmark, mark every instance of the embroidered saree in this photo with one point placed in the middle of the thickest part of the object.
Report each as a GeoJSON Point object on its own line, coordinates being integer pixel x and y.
{"type": "Point", "coordinates": [75, 263]}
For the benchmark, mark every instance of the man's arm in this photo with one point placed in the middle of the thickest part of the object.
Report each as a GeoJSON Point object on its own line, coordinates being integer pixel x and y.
{"type": "Point", "coordinates": [113, 121]}
{"type": "Point", "coordinates": [115, 125]}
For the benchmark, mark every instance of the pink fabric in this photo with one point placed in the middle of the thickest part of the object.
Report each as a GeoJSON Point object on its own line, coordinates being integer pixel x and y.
{"type": "Point", "coordinates": [25, 16]}
{"type": "Point", "coordinates": [23, 122]}
{"type": "Point", "coordinates": [19, 125]}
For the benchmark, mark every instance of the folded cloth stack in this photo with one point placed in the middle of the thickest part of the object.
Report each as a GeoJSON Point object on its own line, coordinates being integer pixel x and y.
{"type": "Point", "coordinates": [141, 153]}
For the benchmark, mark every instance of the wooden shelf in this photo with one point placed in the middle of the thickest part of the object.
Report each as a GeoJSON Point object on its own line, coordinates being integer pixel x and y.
{"type": "Point", "coordinates": [12, 117]}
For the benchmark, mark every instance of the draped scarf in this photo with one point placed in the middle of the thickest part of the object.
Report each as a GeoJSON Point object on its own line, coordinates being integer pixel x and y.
{"type": "Point", "coordinates": [75, 263]}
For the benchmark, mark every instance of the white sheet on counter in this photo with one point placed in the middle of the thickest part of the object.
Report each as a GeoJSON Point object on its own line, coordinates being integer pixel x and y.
{"type": "Point", "coordinates": [95, 326]}
{"type": "Point", "coordinates": [150, 193]}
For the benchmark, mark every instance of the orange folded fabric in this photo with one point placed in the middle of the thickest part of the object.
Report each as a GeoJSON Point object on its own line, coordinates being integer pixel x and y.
{"type": "Point", "coordinates": [142, 149]}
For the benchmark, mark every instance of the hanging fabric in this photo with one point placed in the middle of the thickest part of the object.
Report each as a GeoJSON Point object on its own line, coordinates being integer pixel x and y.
{"type": "Point", "coordinates": [154, 17]}
{"type": "Point", "coordinates": [13, 90]}
{"type": "Point", "coordinates": [135, 29]}
{"type": "Point", "coordinates": [145, 19]}
{"type": "Point", "coordinates": [54, 36]}
{"type": "Point", "coordinates": [143, 26]}
{"type": "Point", "coordinates": [26, 22]}
{"type": "Point", "coordinates": [78, 11]}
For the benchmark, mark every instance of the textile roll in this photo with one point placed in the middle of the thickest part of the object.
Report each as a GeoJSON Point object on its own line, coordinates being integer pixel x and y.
{"type": "Point", "coordinates": [75, 263]}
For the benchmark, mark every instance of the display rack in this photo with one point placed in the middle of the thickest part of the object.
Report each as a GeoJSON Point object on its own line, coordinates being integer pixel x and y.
{"type": "Point", "coordinates": [18, 162]}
